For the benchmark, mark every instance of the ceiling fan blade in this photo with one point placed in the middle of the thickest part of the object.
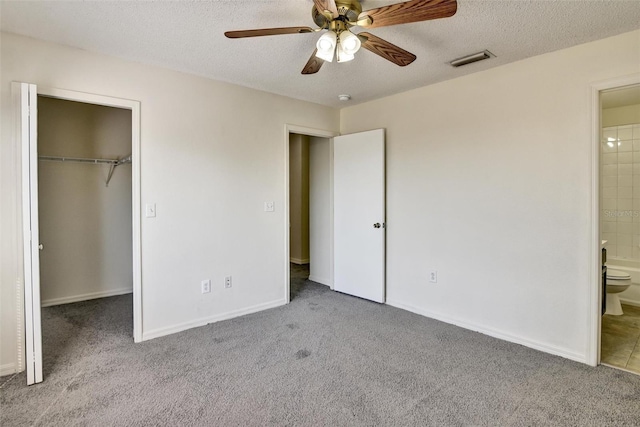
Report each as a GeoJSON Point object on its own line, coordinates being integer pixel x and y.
{"type": "Point", "coordinates": [410, 11]}
{"type": "Point", "coordinates": [329, 5]}
{"type": "Point", "coordinates": [388, 51]}
{"type": "Point", "coordinates": [268, 32]}
{"type": "Point", "coordinates": [313, 64]}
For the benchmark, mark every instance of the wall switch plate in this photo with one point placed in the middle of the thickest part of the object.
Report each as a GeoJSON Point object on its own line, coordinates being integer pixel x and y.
{"type": "Point", "coordinates": [205, 286]}
{"type": "Point", "coordinates": [433, 276]}
{"type": "Point", "coordinates": [150, 210]}
{"type": "Point", "coordinates": [227, 282]}
{"type": "Point", "coordinates": [269, 206]}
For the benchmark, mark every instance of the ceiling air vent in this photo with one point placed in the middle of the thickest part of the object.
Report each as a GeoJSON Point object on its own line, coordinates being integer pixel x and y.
{"type": "Point", "coordinates": [480, 56]}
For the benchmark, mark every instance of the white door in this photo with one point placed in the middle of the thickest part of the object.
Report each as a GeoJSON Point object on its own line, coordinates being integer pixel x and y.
{"type": "Point", "coordinates": [359, 214]}
{"type": "Point", "coordinates": [26, 97]}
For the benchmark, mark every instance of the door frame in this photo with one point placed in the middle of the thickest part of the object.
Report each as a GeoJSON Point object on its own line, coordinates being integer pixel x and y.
{"type": "Point", "coordinates": [302, 130]}
{"type": "Point", "coordinates": [134, 107]}
{"type": "Point", "coordinates": [595, 256]}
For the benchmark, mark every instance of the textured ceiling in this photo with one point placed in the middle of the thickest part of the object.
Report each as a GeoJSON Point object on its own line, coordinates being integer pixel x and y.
{"type": "Point", "coordinates": [188, 36]}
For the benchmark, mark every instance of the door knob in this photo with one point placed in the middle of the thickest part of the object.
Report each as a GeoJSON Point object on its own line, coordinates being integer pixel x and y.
{"type": "Point", "coordinates": [40, 246]}
{"type": "Point", "coordinates": [376, 225]}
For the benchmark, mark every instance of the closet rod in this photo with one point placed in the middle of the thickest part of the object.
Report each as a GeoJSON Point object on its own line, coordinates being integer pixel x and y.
{"type": "Point", "coordinates": [111, 162]}
{"type": "Point", "coordinates": [115, 162]}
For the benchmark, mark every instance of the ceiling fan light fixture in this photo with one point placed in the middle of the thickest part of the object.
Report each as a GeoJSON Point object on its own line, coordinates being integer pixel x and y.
{"type": "Point", "coordinates": [342, 56]}
{"type": "Point", "coordinates": [349, 42]}
{"type": "Point", "coordinates": [336, 18]}
{"type": "Point", "coordinates": [326, 46]}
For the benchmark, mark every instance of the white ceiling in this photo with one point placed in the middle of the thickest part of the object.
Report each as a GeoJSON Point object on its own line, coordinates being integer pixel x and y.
{"type": "Point", "coordinates": [188, 36]}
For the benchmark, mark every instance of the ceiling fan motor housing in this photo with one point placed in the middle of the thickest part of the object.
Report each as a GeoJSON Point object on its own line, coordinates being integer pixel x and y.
{"type": "Point", "coordinates": [348, 10]}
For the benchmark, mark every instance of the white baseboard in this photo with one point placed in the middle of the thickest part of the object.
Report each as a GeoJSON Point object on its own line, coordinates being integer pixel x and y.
{"type": "Point", "coordinates": [630, 302]}
{"type": "Point", "coordinates": [84, 297]}
{"type": "Point", "coordinates": [558, 351]}
{"type": "Point", "coordinates": [8, 369]}
{"type": "Point", "coordinates": [300, 261]}
{"type": "Point", "coordinates": [160, 332]}
{"type": "Point", "coordinates": [320, 280]}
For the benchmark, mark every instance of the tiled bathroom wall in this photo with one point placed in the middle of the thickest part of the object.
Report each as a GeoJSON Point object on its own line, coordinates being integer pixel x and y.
{"type": "Point", "coordinates": [620, 191]}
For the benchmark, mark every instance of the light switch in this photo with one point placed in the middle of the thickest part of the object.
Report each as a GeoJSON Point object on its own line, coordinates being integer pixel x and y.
{"type": "Point", "coordinates": [269, 206]}
{"type": "Point", "coordinates": [150, 210]}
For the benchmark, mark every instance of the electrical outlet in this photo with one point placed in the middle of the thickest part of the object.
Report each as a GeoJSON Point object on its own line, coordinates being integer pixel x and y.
{"type": "Point", "coordinates": [205, 286]}
{"type": "Point", "coordinates": [433, 276]}
{"type": "Point", "coordinates": [227, 282]}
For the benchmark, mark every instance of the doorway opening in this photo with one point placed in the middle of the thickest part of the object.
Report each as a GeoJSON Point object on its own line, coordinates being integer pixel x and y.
{"type": "Point", "coordinates": [85, 227]}
{"type": "Point", "coordinates": [90, 208]}
{"type": "Point", "coordinates": [620, 226]}
{"type": "Point", "coordinates": [308, 209]}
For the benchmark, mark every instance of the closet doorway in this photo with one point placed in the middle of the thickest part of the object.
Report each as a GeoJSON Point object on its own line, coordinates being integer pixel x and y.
{"type": "Point", "coordinates": [84, 201]}
{"type": "Point", "coordinates": [81, 222]}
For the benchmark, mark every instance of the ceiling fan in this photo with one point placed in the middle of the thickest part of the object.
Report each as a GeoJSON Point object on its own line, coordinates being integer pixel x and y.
{"type": "Point", "coordinates": [340, 16]}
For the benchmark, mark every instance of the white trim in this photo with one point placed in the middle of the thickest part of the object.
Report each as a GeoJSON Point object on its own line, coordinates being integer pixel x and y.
{"type": "Point", "coordinates": [287, 253]}
{"type": "Point", "coordinates": [299, 261]}
{"type": "Point", "coordinates": [160, 332]}
{"type": "Point", "coordinates": [595, 269]}
{"type": "Point", "coordinates": [20, 353]}
{"type": "Point", "coordinates": [25, 100]}
{"type": "Point", "coordinates": [136, 237]}
{"type": "Point", "coordinates": [321, 280]}
{"type": "Point", "coordinates": [8, 369]}
{"type": "Point", "coordinates": [85, 297]}
{"type": "Point", "coordinates": [331, 242]}
{"type": "Point", "coordinates": [89, 98]}
{"type": "Point", "coordinates": [505, 336]}
{"type": "Point", "coordinates": [17, 239]}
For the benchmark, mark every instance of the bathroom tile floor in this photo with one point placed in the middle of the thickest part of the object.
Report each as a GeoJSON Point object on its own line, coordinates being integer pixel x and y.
{"type": "Point", "coordinates": [621, 339]}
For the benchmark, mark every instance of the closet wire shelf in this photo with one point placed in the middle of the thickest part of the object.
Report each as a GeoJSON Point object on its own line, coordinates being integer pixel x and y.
{"type": "Point", "coordinates": [111, 162]}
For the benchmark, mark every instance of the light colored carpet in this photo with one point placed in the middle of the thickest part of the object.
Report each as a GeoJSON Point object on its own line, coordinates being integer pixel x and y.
{"type": "Point", "coordinates": [325, 359]}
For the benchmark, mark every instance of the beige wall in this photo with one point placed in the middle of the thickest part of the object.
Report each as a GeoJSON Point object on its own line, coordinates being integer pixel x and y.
{"type": "Point", "coordinates": [299, 198]}
{"type": "Point", "coordinates": [211, 154]}
{"type": "Point", "coordinates": [85, 226]}
{"type": "Point", "coordinates": [489, 183]}
{"type": "Point", "coordinates": [619, 116]}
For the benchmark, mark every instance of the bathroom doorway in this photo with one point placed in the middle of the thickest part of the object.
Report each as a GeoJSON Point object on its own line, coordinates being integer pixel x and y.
{"type": "Point", "coordinates": [619, 225]}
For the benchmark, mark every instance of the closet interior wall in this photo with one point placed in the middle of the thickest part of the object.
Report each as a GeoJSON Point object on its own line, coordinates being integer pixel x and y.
{"type": "Point", "coordinates": [85, 226]}
{"type": "Point", "coordinates": [299, 198]}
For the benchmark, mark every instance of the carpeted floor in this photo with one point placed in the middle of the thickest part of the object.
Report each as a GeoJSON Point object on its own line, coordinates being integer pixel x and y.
{"type": "Point", "coordinates": [325, 359]}
{"type": "Point", "coordinates": [298, 279]}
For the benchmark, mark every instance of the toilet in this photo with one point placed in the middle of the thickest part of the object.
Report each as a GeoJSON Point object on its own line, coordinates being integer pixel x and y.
{"type": "Point", "coordinates": [617, 281]}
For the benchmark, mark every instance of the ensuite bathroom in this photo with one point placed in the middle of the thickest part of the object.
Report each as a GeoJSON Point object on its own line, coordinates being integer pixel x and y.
{"type": "Point", "coordinates": [620, 227]}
